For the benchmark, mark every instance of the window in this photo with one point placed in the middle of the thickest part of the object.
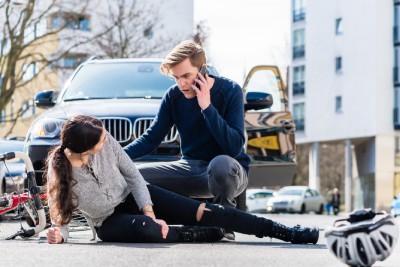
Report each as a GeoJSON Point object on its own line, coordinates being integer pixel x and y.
{"type": "Point", "coordinates": [298, 116]}
{"type": "Point", "coordinates": [298, 44]}
{"type": "Point", "coordinates": [339, 26]}
{"type": "Point", "coordinates": [5, 46]}
{"type": "Point", "coordinates": [73, 61]}
{"type": "Point", "coordinates": [396, 28]}
{"type": "Point", "coordinates": [35, 30]}
{"type": "Point", "coordinates": [30, 70]}
{"type": "Point", "coordinates": [28, 109]}
{"type": "Point", "coordinates": [298, 80]}
{"type": "Point", "coordinates": [299, 10]}
{"type": "Point", "coordinates": [81, 23]}
{"type": "Point", "coordinates": [12, 108]}
{"type": "Point", "coordinates": [73, 21]}
{"type": "Point", "coordinates": [338, 64]}
{"type": "Point", "coordinates": [338, 104]}
{"type": "Point", "coordinates": [396, 110]}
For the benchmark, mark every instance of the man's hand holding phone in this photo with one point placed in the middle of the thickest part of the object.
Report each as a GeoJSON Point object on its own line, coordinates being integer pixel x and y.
{"type": "Point", "coordinates": [202, 88]}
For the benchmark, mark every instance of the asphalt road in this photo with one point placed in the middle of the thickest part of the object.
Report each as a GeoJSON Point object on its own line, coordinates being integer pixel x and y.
{"type": "Point", "coordinates": [245, 251]}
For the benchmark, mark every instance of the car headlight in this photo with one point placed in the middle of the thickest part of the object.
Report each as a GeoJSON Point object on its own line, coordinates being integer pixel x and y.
{"type": "Point", "coordinates": [47, 128]}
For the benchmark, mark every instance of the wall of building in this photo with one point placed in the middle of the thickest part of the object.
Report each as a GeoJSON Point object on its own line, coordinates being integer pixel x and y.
{"type": "Point", "coordinates": [365, 84]}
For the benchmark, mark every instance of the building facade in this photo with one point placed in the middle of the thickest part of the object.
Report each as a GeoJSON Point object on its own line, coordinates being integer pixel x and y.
{"type": "Point", "coordinates": [345, 88]}
{"type": "Point", "coordinates": [175, 23]}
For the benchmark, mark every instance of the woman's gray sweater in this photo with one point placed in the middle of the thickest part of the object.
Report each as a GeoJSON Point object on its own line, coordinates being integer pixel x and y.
{"type": "Point", "coordinates": [114, 176]}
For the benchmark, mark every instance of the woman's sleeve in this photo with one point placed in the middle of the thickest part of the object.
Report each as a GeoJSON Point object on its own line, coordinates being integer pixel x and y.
{"type": "Point", "coordinates": [64, 229]}
{"type": "Point", "coordinates": [132, 176]}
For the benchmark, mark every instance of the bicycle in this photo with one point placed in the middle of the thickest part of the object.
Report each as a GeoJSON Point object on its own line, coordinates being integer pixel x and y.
{"type": "Point", "coordinates": [30, 200]}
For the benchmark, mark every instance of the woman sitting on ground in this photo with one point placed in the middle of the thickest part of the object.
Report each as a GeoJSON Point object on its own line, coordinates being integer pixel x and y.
{"type": "Point", "coordinates": [90, 171]}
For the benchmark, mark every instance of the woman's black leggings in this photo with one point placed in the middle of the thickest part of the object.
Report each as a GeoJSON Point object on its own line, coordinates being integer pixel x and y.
{"type": "Point", "coordinates": [128, 224]}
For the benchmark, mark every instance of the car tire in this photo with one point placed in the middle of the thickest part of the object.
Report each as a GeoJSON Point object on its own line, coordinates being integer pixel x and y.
{"type": "Point", "coordinates": [303, 208]}
{"type": "Point", "coordinates": [241, 201]}
{"type": "Point", "coordinates": [321, 209]}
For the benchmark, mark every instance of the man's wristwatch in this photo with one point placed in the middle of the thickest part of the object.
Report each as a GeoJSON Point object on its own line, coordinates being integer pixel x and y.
{"type": "Point", "coordinates": [147, 209]}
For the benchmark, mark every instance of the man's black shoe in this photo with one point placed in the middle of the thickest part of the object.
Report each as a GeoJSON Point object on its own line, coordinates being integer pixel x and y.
{"type": "Point", "coordinates": [200, 234]}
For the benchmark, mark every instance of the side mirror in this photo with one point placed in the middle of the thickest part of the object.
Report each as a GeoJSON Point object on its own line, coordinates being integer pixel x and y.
{"type": "Point", "coordinates": [44, 99]}
{"type": "Point", "coordinates": [258, 100]}
{"type": "Point", "coordinates": [251, 197]}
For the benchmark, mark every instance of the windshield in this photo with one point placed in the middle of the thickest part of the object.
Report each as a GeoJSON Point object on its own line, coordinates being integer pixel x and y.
{"type": "Point", "coordinates": [290, 192]}
{"type": "Point", "coordinates": [118, 80]}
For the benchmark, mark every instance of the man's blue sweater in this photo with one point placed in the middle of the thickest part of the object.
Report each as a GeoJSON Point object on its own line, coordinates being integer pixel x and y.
{"type": "Point", "coordinates": [217, 130]}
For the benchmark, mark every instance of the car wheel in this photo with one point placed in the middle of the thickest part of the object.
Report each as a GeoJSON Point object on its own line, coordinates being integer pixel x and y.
{"type": "Point", "coordinates": [303, 208]}
{"type": "Point", "coordinates": [321, 209]}
{"type": "Point", "coordinates": [241, 201]}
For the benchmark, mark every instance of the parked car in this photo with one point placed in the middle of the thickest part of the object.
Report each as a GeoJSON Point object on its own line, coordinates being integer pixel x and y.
{"type": "Point", "coordinates": [126, 93]}
{"type": "Point", "coordinates": [256, 199]}
{"type": "Point", "coordinates": [395, 207]}
{"type": "Point", "coordinates": [12, 177]}
{"type": "Point", "coordinates": [300, 199]}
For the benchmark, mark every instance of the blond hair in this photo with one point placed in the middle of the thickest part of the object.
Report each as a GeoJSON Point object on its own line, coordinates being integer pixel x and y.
{"type": "Point", "coordinates": [186, 49]}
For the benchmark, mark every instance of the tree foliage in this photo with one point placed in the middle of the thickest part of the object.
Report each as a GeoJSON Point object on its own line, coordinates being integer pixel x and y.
{"type": "Point", "coordinates": [120, 29]}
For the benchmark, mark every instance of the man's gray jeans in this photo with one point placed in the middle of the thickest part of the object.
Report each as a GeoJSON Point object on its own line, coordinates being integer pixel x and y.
{"type": "Point", "coordinates": [222, 179]}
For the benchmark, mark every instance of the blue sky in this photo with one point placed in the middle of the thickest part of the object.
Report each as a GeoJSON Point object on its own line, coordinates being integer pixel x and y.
{"type": "Point", "coordinates": [244, 33]}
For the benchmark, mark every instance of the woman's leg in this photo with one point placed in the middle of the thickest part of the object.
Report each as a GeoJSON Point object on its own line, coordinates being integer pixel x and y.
{"type": "Point", "coordinates": [242, 222]}
{"type": "Point", "coordinates": [177, 209]}
{"type": "Point", "coordinates": [124, 227]}
{"type": "Point", "coordinates": [128, 224]}
{"type": "Point", "coordinates": [173, 208]}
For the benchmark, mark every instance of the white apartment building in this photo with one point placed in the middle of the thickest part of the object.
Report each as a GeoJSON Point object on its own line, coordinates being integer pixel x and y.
{"type": "Point", "coordinates": [345, 88]}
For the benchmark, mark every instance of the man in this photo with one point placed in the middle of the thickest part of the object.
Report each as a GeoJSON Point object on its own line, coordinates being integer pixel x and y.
{"type": "Point", "coordinates": [209, 117]}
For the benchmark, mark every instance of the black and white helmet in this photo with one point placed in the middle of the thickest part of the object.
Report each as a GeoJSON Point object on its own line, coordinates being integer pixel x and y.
{"type": "Point", "coordinates": [363, 238]}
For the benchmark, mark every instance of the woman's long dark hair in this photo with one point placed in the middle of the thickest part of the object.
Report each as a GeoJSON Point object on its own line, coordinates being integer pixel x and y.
{"type": "Point", "coordinates": [79, 134]}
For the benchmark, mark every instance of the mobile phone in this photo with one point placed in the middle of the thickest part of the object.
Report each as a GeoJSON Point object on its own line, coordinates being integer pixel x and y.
{"type": "Point", "coordinates": [203, 71]}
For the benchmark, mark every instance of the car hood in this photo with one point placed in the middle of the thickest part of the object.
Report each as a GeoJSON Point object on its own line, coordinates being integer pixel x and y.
{"type": "Point", "coordinates": [284, 198]}
{"type": "Point", "coordinates": [107, 108]}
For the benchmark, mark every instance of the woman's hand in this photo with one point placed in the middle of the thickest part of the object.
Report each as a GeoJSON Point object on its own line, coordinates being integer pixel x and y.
{"type": "Point", "coordinates": [164, 227]}
{"type": "Point", "coordinates": [148, 211]}
{"type": "Point", "coordinates": [53, 235]}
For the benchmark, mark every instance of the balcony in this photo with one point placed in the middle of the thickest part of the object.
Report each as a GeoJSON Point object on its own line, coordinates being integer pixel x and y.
{"type": "Point", "coordinates": [299, 51]}
{"type": "Point", "coordinates": [299, 15]}
{"type": "Point", "coordinates": [298, 88]}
